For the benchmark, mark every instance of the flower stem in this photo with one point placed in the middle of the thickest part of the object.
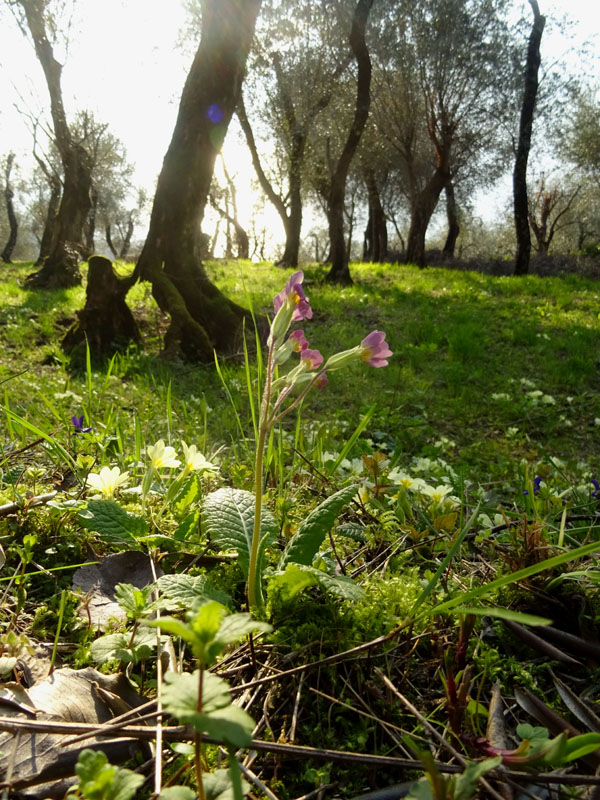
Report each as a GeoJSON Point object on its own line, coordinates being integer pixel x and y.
{"type": "Point", "coordinates": [278, 417]}
{"type": "Point", "coordinates": [263, 429]}
{"type": "Point", "coordinates": [197, 742]}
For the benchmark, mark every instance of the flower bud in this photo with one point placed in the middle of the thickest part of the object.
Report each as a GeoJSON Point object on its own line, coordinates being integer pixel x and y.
{"type": "Point", "coordinates": [339, 360]}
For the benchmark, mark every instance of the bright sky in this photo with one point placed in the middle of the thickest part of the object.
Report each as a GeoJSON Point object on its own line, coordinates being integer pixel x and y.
{"type": "Point", "coordinates": [124, 65]}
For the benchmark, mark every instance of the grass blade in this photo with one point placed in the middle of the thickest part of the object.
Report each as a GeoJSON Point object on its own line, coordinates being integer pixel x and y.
{"type": "Point", "coordinates": [351, 441]}
{"type": "Point", "coordinates": [514, 577]}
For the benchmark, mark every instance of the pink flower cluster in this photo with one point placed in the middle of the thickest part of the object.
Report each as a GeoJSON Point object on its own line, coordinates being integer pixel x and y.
{"type": "Point", "coordinates": [293, 294]}
{"type": "Point", "coordinates": [292, 305]}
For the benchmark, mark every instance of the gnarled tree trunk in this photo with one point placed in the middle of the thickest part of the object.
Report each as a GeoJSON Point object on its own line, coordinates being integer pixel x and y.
{"type": "Point", "coordinates": [61, 267]}
{"type": "Point", "coordinates": [376, 239]}
{"type": "Point", "coordinates": [202, 318]}
{"type": "Point", "coordinates": [453, 225]}
{"type": "Point", "coordinates": [422, 209]}
{"type": "Point", "coordinates": [10, 211]}
{"type": "Point", "coordinates": [89, 230]}
{"type": "Point", "coordinates": [127, 238]}
{"type": "Point", "coordinates": [51, 224]}
{"type": "Point", "coordinates": [109, 239]}
{"type": "Point", "coordinates": [290, 214]}
{"type": "Point", "coordinates": [339, 272]}
{"type": "Point", "coordinates": [520, 200]}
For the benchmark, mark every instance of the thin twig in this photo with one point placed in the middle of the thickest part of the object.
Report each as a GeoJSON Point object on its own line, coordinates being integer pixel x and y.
{"type": "Point", "coordinates": [116, 724]}
{"type": "Point", "coordinates": [257, 782]}
{"type": "Point", "coordinates": [159, 681]}
{"type": "Point", "coordinates": [180, 733]}
{"type": "Point", "coordinates": [318, 791]}
{"type": "Point", "coordinates": [296, 707]}
{"type": "Point", "coordinates": [334, 659]}
{"type": "Point", "coordinates": [9, 508]}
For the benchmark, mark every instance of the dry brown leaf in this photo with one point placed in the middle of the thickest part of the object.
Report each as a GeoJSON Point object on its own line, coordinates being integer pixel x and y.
{"type": "Point", "coordinates": [66, 695]}
{"type": "Point", "coordinates": [98, 582]}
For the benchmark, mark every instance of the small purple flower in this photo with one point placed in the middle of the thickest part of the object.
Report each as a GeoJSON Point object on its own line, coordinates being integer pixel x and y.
{"type": "Point", "coordinates": [214, 113]}
{"type": "Point", "coordinates": [321, 380]}
{"type": "Point", "coordinates": [78, 425]}
{"type": "Point", "coordinates": [299, 341]}
{"type": "Point", "coordinates": [311, 358]}
{"type": "Point", "coordinates": [536, 485]}
{"type": "Point", "coordinates": [596, 492]}
{"type": "Point", "coordinates": [294, 293]}
{"type": "Point", "coordinates": [375, 350]}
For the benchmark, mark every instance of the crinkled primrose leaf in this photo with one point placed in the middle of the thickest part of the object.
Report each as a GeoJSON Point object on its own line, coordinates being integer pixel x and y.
{"type": "Point", "coordinates": [228, 516]}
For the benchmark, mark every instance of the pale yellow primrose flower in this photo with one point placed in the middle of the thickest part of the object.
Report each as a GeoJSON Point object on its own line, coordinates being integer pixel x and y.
{"type": "Point", "coordinates": [107, 481]}
{"type": "Point", "coordinates": [162, 456]}
{"type": "Point", "coordinates": [194, 461]}
{"type": "Point", "coordinates": [436, 494]}
{"type": "Point", "coordinates": [406, 481]}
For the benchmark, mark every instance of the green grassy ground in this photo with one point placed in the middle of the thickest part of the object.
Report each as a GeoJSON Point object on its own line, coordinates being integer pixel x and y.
{"type": "Point", "coordinates": [471, 352]}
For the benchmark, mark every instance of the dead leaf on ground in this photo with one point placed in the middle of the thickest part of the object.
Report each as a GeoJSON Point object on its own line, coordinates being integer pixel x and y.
{"type": "Point", "coordinates": [98, 582]}
{"type": "Point", "coordinates": [88, 696]}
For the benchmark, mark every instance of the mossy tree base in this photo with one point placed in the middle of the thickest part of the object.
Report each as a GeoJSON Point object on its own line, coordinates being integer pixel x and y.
{"type": "Point", "coordinates": [105, 322]}
{"type": "Point", "coordinates": [59, 271]}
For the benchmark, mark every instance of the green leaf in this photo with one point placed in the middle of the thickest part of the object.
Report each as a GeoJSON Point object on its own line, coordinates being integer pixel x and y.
{"type": "Point", "coordinates": [118, 646]}
{"type": "Point", "coordinates": [291, 582]}
{"type": "Point", "coordinates": [218, 718]}
{"type": "Point", "coordinates": [466, 784]}
{"type": "Point", "coordinates": [231, 725]}
{"type": "Point", "coordinates": [504, 613]}
{"type": "Point", "coordinates": [354, 531]}
{"type": "Point", "coordinates": [533, 733]}
{"type": "Point", "coordinates": [134, 602]}
{"type": "Point", "coordinates": [189, 591]}
{"type": "Point", "coordinates": [180, 693]}
{"type": "Point", "coordinates": [304, 544]}
{"type": "Point", "coordinates": [7, 664]}
{"type": "Point", "coordinates": [177, 793]}
{"type": "Point", "coordinates": [188, 527]}
{"type": "Point", "coordinates": [218, 785]}
{"type": "Point", "coordinates": [99, 780]}
{"type": "Point", "coordinates": [420, 791]}
{"type": "Point", "coordinates": [189, 494]}
{"type": "Point", "coordinates": [112, 522]}
{"type": "Point", "coordinates": [209, 629]}
{"type": "Point", "coordinates": [174, 626]}
{"type": "Point", "coordinates": [205, 624]}
{"type": "Point", "coordinates": [13, 475]}
{"type": "Point", "coordinates": [580, 746]}
{"type": "Point", "coordinates": [228, 516]}
{"type": "Point", "coordinates": [235, 626]}
{"type": "Point", "coordinates": [297, 577]}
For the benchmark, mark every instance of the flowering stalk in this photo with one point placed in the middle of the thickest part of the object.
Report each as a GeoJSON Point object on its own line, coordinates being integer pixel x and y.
{"type": "Point", "coordinates": [263, 430]}
{"type": "Point", "coordinates": [291, 305]}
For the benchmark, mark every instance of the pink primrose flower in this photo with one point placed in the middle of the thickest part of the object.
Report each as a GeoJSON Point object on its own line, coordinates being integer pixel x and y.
{"type": "Point", "coordinates": [299, 341]}
{"type": "Point", "coordinates": [321, 380]}
{"type": "Point", "coordinates": [294, 293]}
{"type": "Point", "coordinates": [311, 358]}
{"type": "Point", "coordinates": [375, 350]}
